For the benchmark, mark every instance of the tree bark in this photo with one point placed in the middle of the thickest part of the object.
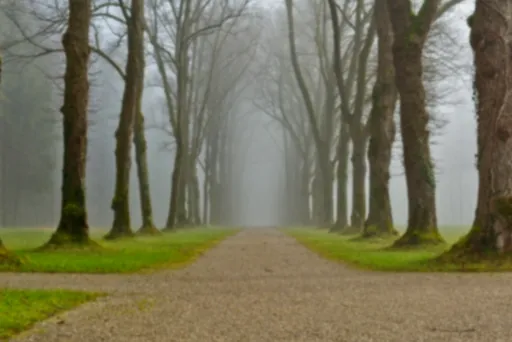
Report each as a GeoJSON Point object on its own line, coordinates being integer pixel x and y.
{"type": "Point", "coordinates": [359, 143]}
{"type": "Point", "coordinates": [73, 226]}
{"type": "Point", "coordinates": [141, 159]}
{"type": "Point", "coordinates": [193, 197]}
{"type": "Point", "coordinates": [342, 174]}
{"type": "Point", "coordinates": [132, 95]}
{"type": "Point", "coordinates": [491, 39]}
{"type": "Point", "coordinates": [5, 256]}
{"type": "Point", "coordinates": [381, 129]}
{"type": "Point", "coordinates": [410, 33]}
{"type": "Point", "coordinates": [177, 206]}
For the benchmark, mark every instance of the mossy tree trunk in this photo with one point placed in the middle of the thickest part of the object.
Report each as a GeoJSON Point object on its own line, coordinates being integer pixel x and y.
{"type": "Point", "coordinates": [410, 33]}
{"type": "Point", "coordinates": [491, 39]}
{"type": "Point", "coordinates": [73, 226]}
{"type": "Point", "coordinates": [132, 96]}
{"type": "Point", "coordinates": [381, 129]}
{"type": "Point", "coordinates": [141, 158]}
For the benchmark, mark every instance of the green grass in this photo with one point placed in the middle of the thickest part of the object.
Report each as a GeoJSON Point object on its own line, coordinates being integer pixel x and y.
{"type": "Point", "coordinates": [20, 309]}
{"type": "Point", "coordinates": [169, 250]}
{"type": "Point", "coordinates": [374, 255]}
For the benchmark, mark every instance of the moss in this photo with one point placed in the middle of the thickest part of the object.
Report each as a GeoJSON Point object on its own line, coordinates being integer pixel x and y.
{"type": "Point", "coordinates": [373, 231]}
{"type": "Point", "coordinates": [350, 230]}
{"type": "Point", "coordinates": [148, 229]}
{"type": "Point", "coordinates": [470, 20]}
{"type": "Point", "coordinates": [9, 259]}
{"type": "Point", "coordinates": [414, 238]}
{"type": "Point", "coordinates": [73, 210]}
{"type": "Point", "coordinates": [62, 241]}
{"type": "Point", "coordinates": [116, 234]}
{"type": "Point", "coordinates": [503, 206]}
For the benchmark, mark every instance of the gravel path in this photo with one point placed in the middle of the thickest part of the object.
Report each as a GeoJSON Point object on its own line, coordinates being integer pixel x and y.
{"type": "Point", "coordinates": [261, 285]}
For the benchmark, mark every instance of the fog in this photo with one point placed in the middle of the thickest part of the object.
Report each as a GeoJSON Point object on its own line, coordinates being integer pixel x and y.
{"type": "Point", "coordinates": [258, 171]}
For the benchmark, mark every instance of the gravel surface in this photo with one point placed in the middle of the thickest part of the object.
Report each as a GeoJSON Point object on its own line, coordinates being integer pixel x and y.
{"type": "Point", "coordinates": [261, 285]}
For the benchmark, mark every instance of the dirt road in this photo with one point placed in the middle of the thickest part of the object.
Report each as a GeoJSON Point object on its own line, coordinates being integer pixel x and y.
{"type": "Point", "coordinates": [261, 285]}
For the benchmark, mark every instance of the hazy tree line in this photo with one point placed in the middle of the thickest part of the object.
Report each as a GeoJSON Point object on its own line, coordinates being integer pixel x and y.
{"type": "Point", "coordinates": [198, 55]}
{"type": "Point", "coordinates": [332, 88]}
{"type": "Point", "coordinates": [344, 80]}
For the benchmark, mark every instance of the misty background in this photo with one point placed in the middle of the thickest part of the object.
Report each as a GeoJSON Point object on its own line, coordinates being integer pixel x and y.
{"type": "Point", "coordinates": [31, 144]}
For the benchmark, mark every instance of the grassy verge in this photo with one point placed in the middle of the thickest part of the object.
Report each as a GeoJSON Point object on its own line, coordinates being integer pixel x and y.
{"type": "Point", "coordinates": [119, 256]}
{"type": "Point", "coordinates": [373, 254]}
{"type": "Point", "coordinates": [20, 309]}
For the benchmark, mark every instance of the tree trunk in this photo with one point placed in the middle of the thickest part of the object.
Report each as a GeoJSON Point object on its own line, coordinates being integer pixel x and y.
{"type": "Point", "coordinates": [193, 197]}
{"type": "Point", "coordinates": [382, 130]}
{"type": "Point", "coordinates": [175, 188]}
{"type": "Point", "coordinates": [305, 217]}
{"type": "Point", "coordinates": [342, 173]}
{"type": "Point", "coordinates": [316, 198]}
{"type": "Point", "coordinates": [177, 207]}
{"type": "Point", "coordinates": [141, 158]}
{"type": "Point", "coordinates": [73, 226]}
{"type": "Point", "coordinates": [410, 32]}
{"type": "Point", "coordinates": [132, 97]}
{"type": "Point", "coordinates": [491, 39]}
{"type": "Point", "coordinates": [359, 141]}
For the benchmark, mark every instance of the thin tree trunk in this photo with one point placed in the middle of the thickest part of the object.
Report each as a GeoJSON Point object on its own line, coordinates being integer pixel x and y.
{"type": "Point", "coordinates": [342, 173]}
{"type": "Point", "coordinates": [382, 129]}
{"type": "Point", "coordinates": [410, 32]}
{"type": "Point", "coordinates": [491, 39]}
{"type": "Point", "coordinates": [305, 194]}
{"type": "Point", "coordinates": [177, 207]}
{"type": "Point", "coordinates": [207, 183]}
{"type": "Point", "coordinates": [141, 159]}
{"type": "Point", "coordinates": [121, 226]}
{"type": "Point", "coordinates": [73, 226]}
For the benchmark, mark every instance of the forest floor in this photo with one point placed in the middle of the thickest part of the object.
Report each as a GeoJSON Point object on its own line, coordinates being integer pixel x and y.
{"type": "Point", "coordinates": [261, 285]}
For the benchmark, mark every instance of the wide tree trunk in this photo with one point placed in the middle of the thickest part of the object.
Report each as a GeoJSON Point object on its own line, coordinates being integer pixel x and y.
{"type": "Point", "coordinates": [316, 198]}
{"type": "Point", "coordinates": [141, 158]}
{"type": "Point", "coordinates": [73, 226]}
{"type": "Point", "coordinates": [132, 96]}
{"type": "Point", "coordinates": [359, 142]}
{"type": "Point", "coordinates": [381, 129]}
{"type": "Point", "coordinates": [410, 33]}
{"type": "Point", "coordinates": [193, 197]}
{"type": "Point", "coordinates": [491, 39]}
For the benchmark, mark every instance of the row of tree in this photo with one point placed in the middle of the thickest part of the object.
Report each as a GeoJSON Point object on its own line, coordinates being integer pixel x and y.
{"type": "Point", "coordinates": [334, 91]}
{"type": "Point", "coordinates": [343, 111]}
{"type": "Point", "coordinates": [335, 105]}
{"type": "Point", "coordinates": [191, 45]}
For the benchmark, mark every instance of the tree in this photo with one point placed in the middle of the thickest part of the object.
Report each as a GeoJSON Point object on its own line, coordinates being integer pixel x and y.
{"type": "Point", "coordinates": [410, 33]}
{"type": "Point", "coordinates": [5, 256]}
{"type": "Point", "coordinates": [131, 108]}
{"type": "Point", "coordinates": [73, 226]}
{"type": "Point", "coordinates": [321, 137]}
{"type": "Point", "coordinates": [381, 128]}
{"type": "Point", "coordinates": [491, 39]}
